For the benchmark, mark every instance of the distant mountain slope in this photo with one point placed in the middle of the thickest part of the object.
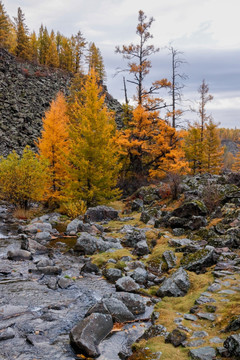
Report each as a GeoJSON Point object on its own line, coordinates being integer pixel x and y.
{"type": "Point", "coordinates": [26, 90]}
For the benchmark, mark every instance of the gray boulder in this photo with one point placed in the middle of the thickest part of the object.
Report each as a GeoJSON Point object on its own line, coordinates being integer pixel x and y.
{"type": "Point", "coordinates": [33, 246]}
{"type": "Point", "coordinates": [141, 248]}
{"type": "Point", "coordinates": [177, 285]}
{"type": "Point", "coordinates": [43, 236]}
{"type": "Point", "coordinates": [134, 236]}
{"type": "Point", "coordinates": [170, 259]}
{"type": "Point", "coordinates": [204, 353]}
{"type": "Point", "coordinates": [88, 244]}
{"type": "Point", "coordinates": [76, 226]}
{"type": "Point", "coordinates": [190, 208]}
{"type": "Point", "coordinates": [232, 343]}
{"type": "Point", "coordinates": [127, 284]}
{"type": "Point", "coordinates": [19, 254]}
{"type": "Point", "coordinates": [86, 335]}
{"type": "Point", "coordinates": [199, 260]}
{"type": "Point", "coordinates": [176, 337]}
{"type": "Point", "coordinates": [134, 302]}
{"type": "Point", "coordinates": [101, 213]}
{"type": "Point", "coordinates": [39, 226]}
{"type": "Point", "coordinates": [114, 307]}
{"type": "Point", "coordinates": [139, 275]}
{"type": "Point", "coordinates": [112, 274]}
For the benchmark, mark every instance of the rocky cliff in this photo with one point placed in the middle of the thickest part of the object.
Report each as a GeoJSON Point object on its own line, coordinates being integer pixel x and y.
{"type": "Point", "coordinates": [26, 91]}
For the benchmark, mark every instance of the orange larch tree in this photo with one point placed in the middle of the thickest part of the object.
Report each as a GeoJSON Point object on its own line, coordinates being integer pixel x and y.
{"type": "Point", "coordinates": [149, 147]}
{"type": "Point", "coordinates": [53, 146]}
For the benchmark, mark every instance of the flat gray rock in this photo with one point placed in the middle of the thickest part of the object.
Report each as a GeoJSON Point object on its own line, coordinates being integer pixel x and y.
{"type": "Point", "coordinates": [190, 317]}
{"type": "Point", "coordinates": [204, 353]}
{"type": "Point", "coordinates": [206, 316]}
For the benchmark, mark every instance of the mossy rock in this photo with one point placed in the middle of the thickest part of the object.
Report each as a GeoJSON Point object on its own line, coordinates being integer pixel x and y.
{"type": "Point", "coordinates": [198, 261]}
{"type": "Point", "coordinates": [189, 209]}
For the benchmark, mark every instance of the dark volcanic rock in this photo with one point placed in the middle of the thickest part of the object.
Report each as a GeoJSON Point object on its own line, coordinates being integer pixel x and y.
{"type": "Point", "coordinates": [234, 325]}
{"type": "Point", "coordinates": [189, 209]}
{"type": "Point", "coordinates": [112, 274]}
{"type": "Point", "coordinates": [86, 335]}
{"type": "Point", "coordinates": [176, 337]}
{"type": "Point", "coordinates": [199, 260]}
{"type": "Point", "coordinates": [101, 213]}
{"type": "Point", "coordinates": [232, 343]}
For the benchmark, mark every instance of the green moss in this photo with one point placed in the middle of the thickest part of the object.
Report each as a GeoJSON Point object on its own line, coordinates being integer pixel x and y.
{"type": "Point", "coordinates": [191, 258]}
{"type": "Point", "coordinates": [102, 258]}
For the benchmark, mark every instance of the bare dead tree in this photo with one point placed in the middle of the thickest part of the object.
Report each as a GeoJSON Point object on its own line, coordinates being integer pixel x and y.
{"type": "Point", "coordinates": [176, 83]}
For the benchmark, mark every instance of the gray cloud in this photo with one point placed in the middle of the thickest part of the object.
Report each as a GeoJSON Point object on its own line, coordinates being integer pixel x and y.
{"type": "Point", "coordinates": [209, 39]}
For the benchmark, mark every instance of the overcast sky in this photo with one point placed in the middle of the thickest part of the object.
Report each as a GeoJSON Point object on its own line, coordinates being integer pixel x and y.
{"type": "Point", "coordinates": [206, 31]}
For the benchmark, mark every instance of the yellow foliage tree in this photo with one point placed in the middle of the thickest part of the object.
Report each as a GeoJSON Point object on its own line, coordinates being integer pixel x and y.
{"type": "Point", "coordinates": [193, 147]}
{"type": "Point", "coordinates": [93, 154]}
{"type": "Point", "coordinates": [236, 164]}
{"type": "Point", "coordinates": [53, 146]}
{"type": "Point", "coordinates": [52, 54]}
{"type": "Point", "coordinates": [22, 179]}
{"type": "Point", "coordinates": [212, 150]}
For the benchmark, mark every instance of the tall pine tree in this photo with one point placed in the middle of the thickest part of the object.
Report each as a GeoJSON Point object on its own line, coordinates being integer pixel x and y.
{"type": "Point", "coordinates": [53, 146]}
{"type": "Point", "coordinates": [22, 49]}
{"type": "Point", "coordinates": [93, 154]}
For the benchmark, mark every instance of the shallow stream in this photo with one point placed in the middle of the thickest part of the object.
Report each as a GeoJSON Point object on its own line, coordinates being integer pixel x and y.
{"type": "Point", "coordinates": [40, 317]}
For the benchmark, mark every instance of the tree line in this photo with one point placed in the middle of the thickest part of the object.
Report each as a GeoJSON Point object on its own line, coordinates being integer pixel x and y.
{"type": "Point", "coordinates": [47, 48]}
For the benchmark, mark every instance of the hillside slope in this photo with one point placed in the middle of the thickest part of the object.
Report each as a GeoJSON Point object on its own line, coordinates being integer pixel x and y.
{"type": "Point", "coordinates": [26, 90]}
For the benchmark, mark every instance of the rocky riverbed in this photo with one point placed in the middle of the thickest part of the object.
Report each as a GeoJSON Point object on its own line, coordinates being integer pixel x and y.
{"type": "Point", "coordinates": [166, 279]}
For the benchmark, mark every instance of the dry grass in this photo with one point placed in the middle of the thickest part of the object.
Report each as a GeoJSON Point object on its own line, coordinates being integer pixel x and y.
{"type": "Point", "coordinates": [169, 306]}
{"type": "Point", "coordinates": [213, 222]}
{"type": "Point", "coordinates": [23, 214]}
{"type": "Point", "coordinates": [146, 349]}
